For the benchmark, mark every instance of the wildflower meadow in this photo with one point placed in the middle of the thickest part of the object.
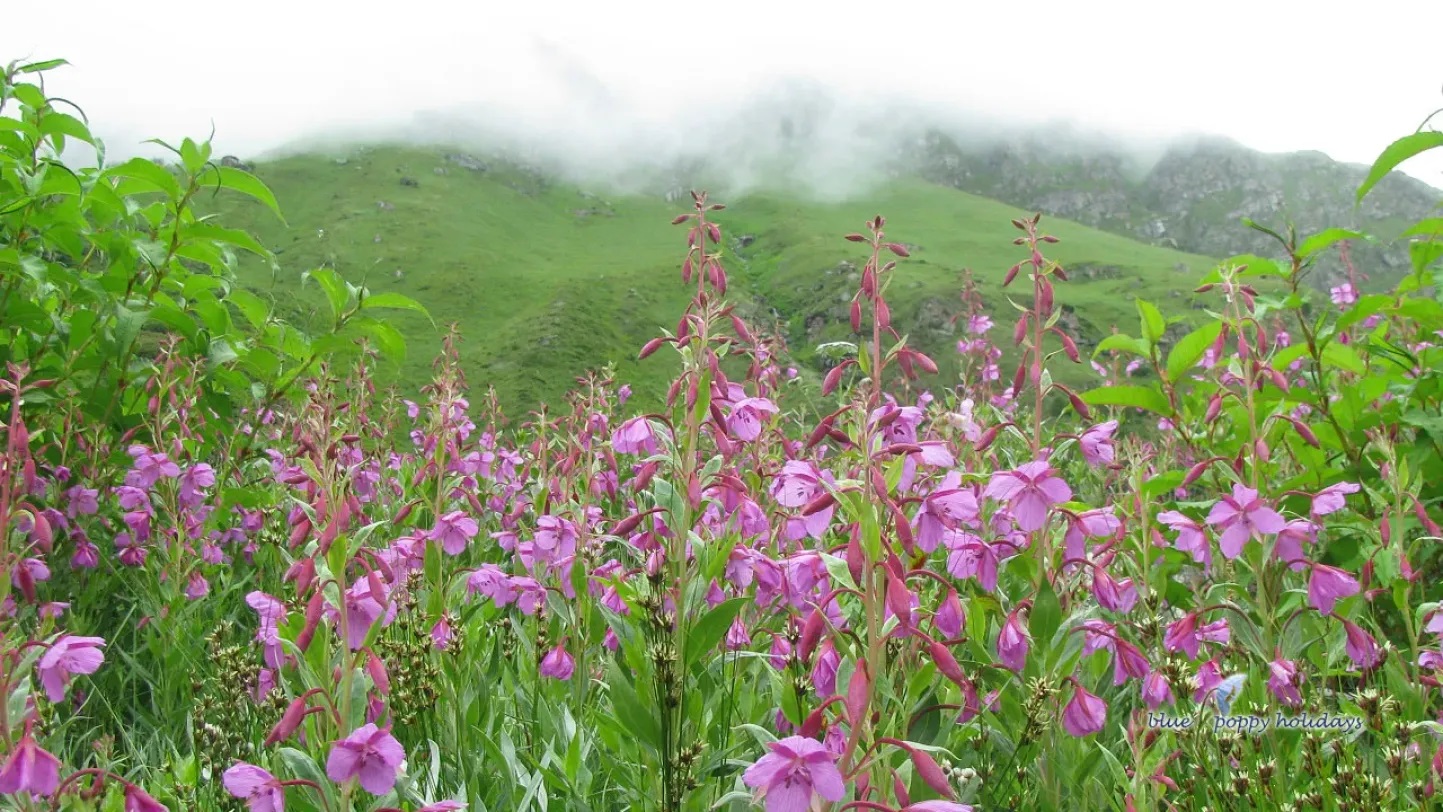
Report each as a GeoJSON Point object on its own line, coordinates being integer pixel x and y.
{"type": "Point", "coordinates": [243, 577]}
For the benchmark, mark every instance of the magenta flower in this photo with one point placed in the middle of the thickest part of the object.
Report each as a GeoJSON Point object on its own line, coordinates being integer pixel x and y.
{"type": "Point", "coordinates": [950, 616]}
{"type": "Point", "coordinates": [1030, 491]}
{"type": "Point", "coordinates": [795, 769]}
{"type": "Point", "coordinates": [369, 754]}
{"type": "Point", "coordinates": [1328, 585]}
{"type": "Point", "coordinates": [454, 530]}
{"type": "Point", "coordinates": [443, 806]}
{"type": "Point", "coordinates": [1361, 647]}
{"type": "Point", "coordinates": [66, 657]}
{"type": "Point", "coordinates": [1115, 596]}
{"type": "Point", "coordinates": [1243, 516]}
{"type": "Point", "coordinates": [558, 664]}
{"type": "Point", "coordinates": [138, 800]}
{"type": "Point", "coordinates": [1096, 443]}
{"type": "Point", "coordinates": [1155, 690]}
{"type": "Point", "coordinates": [29, 768]}
{"type": "Point", "coordinates": [1013, 643]}
{"type": "Point", "coordinates": [1085, 714]}
{"type": "Point", "coordinates": [745, 420]}
{"type": "Point", "coordinates": [1182, 635]}
{"type": "Point", "coordinates": [796, 484]}
{"type": "Point", "coordinates": [635, 436]}
{"type": "Point", "coordinates": [1331, 499]}
{"type": "Point", "coordinates": [1190, 536]}
{"type": "Point", "coordinates": [1283, 681]}
{"type": "Point", "coordinates": [261, 791]}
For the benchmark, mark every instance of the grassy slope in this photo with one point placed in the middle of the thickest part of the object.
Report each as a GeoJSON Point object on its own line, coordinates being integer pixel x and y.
{"type": "Point", "coordinates": [543, 292]}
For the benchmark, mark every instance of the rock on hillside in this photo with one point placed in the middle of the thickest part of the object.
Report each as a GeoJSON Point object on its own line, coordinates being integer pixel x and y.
{"type": "Point", "coordinates": [1192, 197]}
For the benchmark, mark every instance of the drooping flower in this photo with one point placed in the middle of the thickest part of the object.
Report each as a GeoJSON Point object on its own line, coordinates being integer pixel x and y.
{"type": "Point", "coordinates": [67, 656]}
{"type": "Point", "coordinates": [796, 768]}
{"type": "Point", "coordinates": [1013, 643]}
{"type": "Point", "coordinates": [1156, 691]}
{"type": "Point", "coordinates": [1331, 499]}
{"type": "Point", "coordinates": [1243, 515]}
{"type": "Point", "coordinates": [1361, 647]}
{"type": "Point", "coordinates": [369, 754]}
{"type": "Point", "coordinates": [138, 800]}
{"type": "Point", "coordinates": [635, 436]}
{"type": "Point", "coordinates": [29, 768]}
{"type": "Point", "coordinates": [558, 664]}
{"type": "Point", "coordinates": [261, 791]}
{"type": "Point", "coordinates": [1096, 443]}
{"type": "Point", "coordinates": [1328, 585]}
{"type": "Point", "coordinates": [1030, 491]}
{"type": "Point", "coordinates": [1283, 680]}
{"type": "Point", "coordinates": [1181, 635]}
{"type": "Point", "coordinates": [1085, 714]}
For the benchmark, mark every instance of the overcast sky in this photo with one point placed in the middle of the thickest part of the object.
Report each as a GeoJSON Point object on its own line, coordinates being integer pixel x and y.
{"type": "Point", "coordinates": [1274, 74]}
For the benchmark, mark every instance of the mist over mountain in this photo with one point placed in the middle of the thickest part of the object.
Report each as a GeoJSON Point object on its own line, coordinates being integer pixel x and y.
{"type": "Point", "coordinates": [804, 139]}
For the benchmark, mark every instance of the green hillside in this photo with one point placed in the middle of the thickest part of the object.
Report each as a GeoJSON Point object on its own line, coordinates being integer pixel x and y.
{"type": "Point", "coordinates": [547, 280]}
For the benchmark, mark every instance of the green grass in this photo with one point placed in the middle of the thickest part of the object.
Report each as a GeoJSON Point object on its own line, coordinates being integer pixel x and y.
{"type": "Point", "coordinates": [546, 281]}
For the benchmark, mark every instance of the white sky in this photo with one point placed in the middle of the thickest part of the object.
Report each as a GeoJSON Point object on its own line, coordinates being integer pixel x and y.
{"type": "Point", "coordinates": [1344, 78]}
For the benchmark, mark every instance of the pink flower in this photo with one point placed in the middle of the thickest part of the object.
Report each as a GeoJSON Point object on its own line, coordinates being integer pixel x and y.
{"type": "Point", "coordinates": [1331, 498]}
{"type": "Point", "coordinates": [936, 806]}
{"type": "Point", "coordinates": [1085, 714]}
{"type": "Point", "coordinates": [454, 530]}
{"type": "Point", "coordinates": [558, 664]}
{"type": "Point", "coordinates": [1283, 681]}
{"type": "Point", "coordinates": [1030, 491]}
{"type": "Point", "coordinates": [261, 791]}
{"type": "Point", "coordinates": [443, 806]}
{"type": "Point", "coordinates": [1115, 596]}
{"type": "Point", "coordinates": [29, 768]}
{"type": "Point", "coordinates": [1155, 691]}
{"type": "Point", "coordinates": [1013, 643]}
{"type": "Point", "coordinates": [635, 436]}
{"type": "Point", "coordinates": [1328, 585]}
{"type": "Point", "coordinates": [795, 769]}
{"type": "Point", "coordinates": [797, 483]}
{"type": "Point", "coordinates": [1096, 443]}
{"type": "Point", "coordinates": [1243, 516]}
{"type": "Point", "coordinates": [1190, 536]}
{"type": "Point", "coordinates": [1343, 295]}
{"type": "Point", "coordinates": [68, 656]}
{"type": "Point", "coordinates": [138, 800]}
{"type": "Point", "coordinates": [745, 420]}
{"type": "Point", "coordinates": [1361, 647]}
{"type": "Point", "coordinates": [369, 754]}
{"type": "Point", "coordinates": [1182, 635]}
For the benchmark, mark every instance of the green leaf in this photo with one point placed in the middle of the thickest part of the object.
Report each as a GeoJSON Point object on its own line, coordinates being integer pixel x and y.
{"type": "Point", "coordinates": [230, 236]}
{"type": "Point", "coordinates": [250, 305]}
{"type": "Point", "coordinates": [1399, 151]}
{"type": "Point", "coordinates": [387, 339]}
{"type": "Point", "coordinates": [37, 67]}
{"type": "Point", "coordinates": [395, 301]}
{"type": "Point", "coordinates": [1153, 324]}
{"type": "Point", "coordinates": [1139, 397]}
{"type": "Point", "coordinates": [1190, 348]}
{"type": "Point", "coordinates": [635, 717]}
{"type": "Point", "coordinates": [1431, 227]}
{"type": "Point", "coordinates": [1329, 237]}
{"type": "Point", "coordinates": [710, 629]}
{"type": "Point", "coordinates": [228, 177]}
{"type": "Point", "coordinates": [63, 124]}
{"type": "Point", "coordinates": [334, 287]}
{"type": "Point", "coordinates": [147, 172]}
{"type": "Point", "coordinates": [1121, 343]}
{"type": "Point", "coordinates": [1046, 616]}
{"type": "Point", "coordinates": [1344, 357]}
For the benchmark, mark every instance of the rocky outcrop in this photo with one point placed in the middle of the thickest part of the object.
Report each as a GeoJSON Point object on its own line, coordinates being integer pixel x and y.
{"type": "Point", "coordinates": [1193, 197]}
